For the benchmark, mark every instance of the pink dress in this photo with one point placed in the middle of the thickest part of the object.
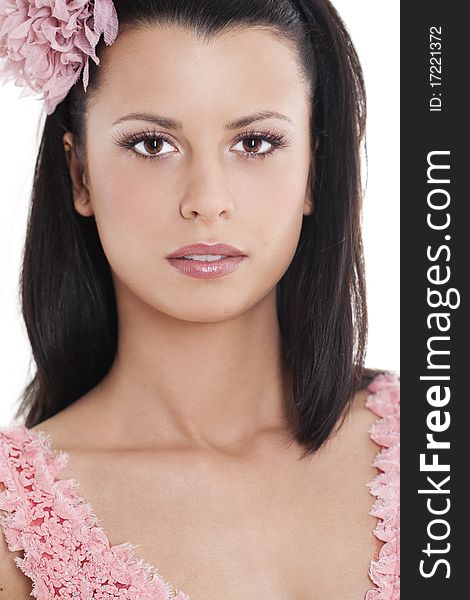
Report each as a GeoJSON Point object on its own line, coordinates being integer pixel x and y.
{"type": "Point", "coordinates": [67, 553]}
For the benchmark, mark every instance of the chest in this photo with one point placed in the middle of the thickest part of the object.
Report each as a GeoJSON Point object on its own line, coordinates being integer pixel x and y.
{"type": "Point", "coordinates": [276, 527]}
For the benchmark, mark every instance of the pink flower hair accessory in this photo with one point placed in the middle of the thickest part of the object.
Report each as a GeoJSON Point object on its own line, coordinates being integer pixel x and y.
{"type": "Point", "coordinates": [46, 44]}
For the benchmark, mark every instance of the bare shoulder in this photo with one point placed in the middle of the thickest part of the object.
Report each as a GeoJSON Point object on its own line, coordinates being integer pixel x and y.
{"type": "Point", "coordinates": [14, 585]}
{"type": "Point", "coordinates": [358, 409]}
{"type": "Point", "coordinates": [72, 427]}
{"type": "Point", "coordinates": [351, 434]}
{"type": "Point", "coordinates": [358, 417]}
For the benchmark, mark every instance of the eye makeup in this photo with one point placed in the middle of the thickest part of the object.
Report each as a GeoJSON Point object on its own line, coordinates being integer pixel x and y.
{"type": "Point", "coordinates": [276, 138]}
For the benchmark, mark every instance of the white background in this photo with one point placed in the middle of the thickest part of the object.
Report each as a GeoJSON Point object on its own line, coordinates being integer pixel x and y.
{"type": "Point", "coordinates": [374, 28]}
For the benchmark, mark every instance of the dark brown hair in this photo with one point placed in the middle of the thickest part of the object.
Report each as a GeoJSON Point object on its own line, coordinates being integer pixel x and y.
{"type": "Point", "coordinates": [68, 298]}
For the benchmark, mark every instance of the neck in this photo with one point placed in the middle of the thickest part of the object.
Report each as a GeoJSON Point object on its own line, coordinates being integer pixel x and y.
{"type": "Point", "coordinates": [175, 382]}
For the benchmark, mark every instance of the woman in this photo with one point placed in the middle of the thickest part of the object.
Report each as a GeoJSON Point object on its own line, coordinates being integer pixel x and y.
{"type": "Point", "coordinates": [213, 409]}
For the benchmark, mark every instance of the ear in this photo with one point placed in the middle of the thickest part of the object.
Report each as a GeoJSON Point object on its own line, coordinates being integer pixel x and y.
{"type": "Point", "coordinates": [81, 192]}
{"type": "Point", "coordinates": [308, 202]}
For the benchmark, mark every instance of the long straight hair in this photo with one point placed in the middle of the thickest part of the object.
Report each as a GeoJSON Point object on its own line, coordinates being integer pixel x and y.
{"type": "Point", "coordinates": [67, 292]}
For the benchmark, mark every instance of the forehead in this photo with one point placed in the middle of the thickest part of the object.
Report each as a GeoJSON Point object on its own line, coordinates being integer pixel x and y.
{"type": "Point", "coordinates": [174, 69]}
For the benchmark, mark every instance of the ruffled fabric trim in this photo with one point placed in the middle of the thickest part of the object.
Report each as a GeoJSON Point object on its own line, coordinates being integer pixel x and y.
{"type": "Point", "coordinates": [384, 401]}
{"type": "Point", "coordinates": [66, 551]}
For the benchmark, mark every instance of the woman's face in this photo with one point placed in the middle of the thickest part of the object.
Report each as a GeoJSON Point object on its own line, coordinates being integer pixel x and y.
{"type": "Point", "coordinates": [198, 184]}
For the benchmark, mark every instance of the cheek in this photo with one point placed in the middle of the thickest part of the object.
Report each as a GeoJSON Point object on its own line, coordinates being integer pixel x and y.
{"type": "Point", "coordinates": [282, 214]}
{"type": "Point", "coordinates": [281, 239]}
{"type": "Point", "coordinates": [131, 215]}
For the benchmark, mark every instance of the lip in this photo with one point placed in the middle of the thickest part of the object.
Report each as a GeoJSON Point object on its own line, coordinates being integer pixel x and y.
{"type": "Point", "coordinates": [206, 270]}
{"type": "Point", "coordinates": [209, 269]}
{"type": "Point", "coordinates": [223, 249]}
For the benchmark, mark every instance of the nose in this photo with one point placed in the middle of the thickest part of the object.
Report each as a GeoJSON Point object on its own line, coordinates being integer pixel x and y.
{"type": "Point", "coordinates": [207, 193]}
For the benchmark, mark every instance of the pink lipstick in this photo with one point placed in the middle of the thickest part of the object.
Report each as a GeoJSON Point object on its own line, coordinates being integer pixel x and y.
{"type": "Point", "coordinates": [206, 261]}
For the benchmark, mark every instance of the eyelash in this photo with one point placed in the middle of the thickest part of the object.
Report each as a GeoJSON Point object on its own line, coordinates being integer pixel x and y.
{"type": "Point", "coordinates": [275, 138]}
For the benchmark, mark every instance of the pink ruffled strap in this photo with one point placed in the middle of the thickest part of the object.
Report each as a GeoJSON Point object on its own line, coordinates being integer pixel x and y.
{"type": "Point", "coordinates": [66, 552]}
{"type": "Point", "coordinates": [384, 401]}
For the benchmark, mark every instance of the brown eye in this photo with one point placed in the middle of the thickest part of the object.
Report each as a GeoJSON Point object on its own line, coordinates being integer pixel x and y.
{"type": "Point", "coordinates": [153, 146]}
{"type": "Point", "coordinates": [257, 146]}
{"type": "Point", "coordinates": [252, 144]}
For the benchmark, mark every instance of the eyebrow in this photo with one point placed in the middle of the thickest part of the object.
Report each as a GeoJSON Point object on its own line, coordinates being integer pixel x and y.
{"type": "Point", "coordinates": [170, 123]}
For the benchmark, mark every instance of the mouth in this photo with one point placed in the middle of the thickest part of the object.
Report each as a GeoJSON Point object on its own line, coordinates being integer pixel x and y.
{"type": "Point", "coordinates": [206, 252]}
{"type": "Point", "coordinates": [206, 261]}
